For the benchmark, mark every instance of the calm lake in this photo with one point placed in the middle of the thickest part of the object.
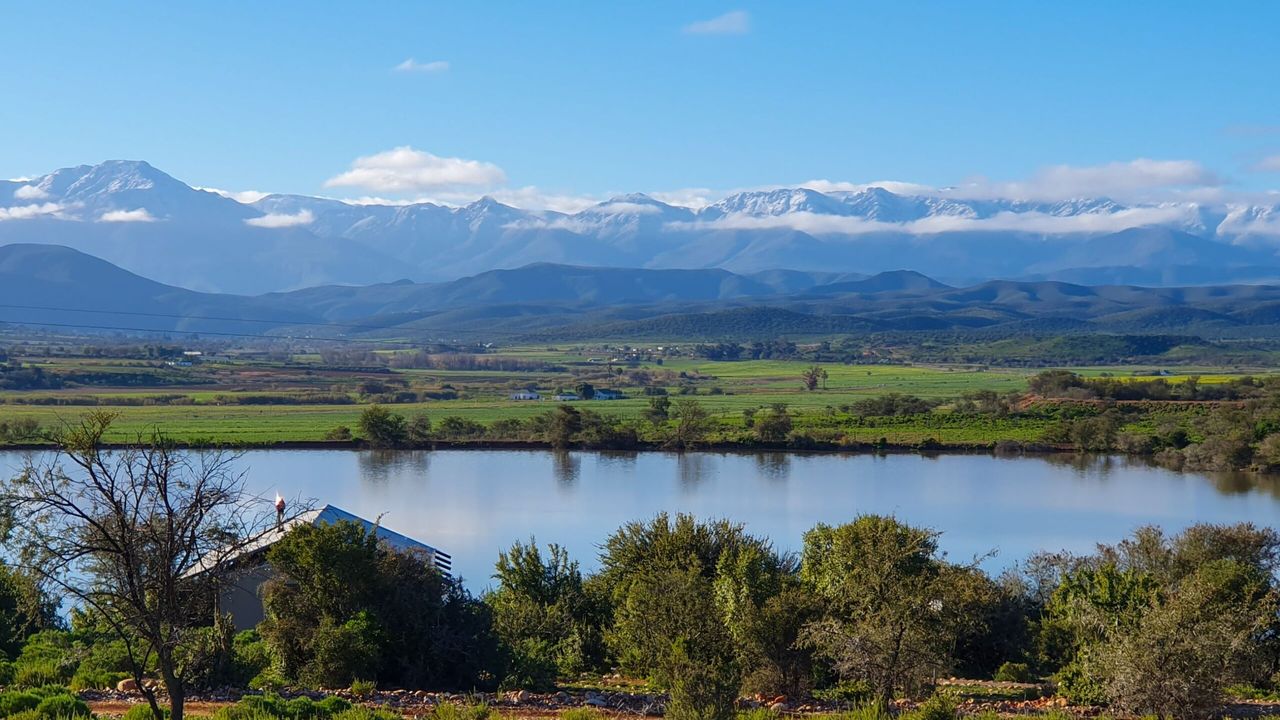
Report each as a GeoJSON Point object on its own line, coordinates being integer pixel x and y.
{"type": "Point", "coordinates": [474, 503]}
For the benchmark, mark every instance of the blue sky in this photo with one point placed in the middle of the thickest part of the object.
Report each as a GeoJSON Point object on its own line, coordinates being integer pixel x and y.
{"type": "Point", "coordinates": [589, 99]}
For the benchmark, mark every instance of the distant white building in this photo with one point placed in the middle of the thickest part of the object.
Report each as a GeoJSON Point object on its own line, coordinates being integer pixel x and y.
{"type": "Point", "coordinates": [241, 597]}
{"type": "Point", "coordinates": [567, 397]}
{"type": "Point", "coordinates": [527, 395]}
{"type": "Point", "coordinates": [609, 395]}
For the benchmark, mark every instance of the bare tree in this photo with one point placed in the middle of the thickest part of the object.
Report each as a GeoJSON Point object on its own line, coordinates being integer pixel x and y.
{"type": "Point", "coordinates": [138, 535]}
{"type": "Point", "coordinates": [812, 376]}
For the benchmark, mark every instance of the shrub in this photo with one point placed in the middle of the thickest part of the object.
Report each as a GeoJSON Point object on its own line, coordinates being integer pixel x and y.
{"type": "Point", "coordinates": [702, 688]}
{"type": "Point", "coordinates": [363, 688]}
{"type": "Point", "coordinates": [85, 679]}
{"type": "Point", "coordinates": [301, 708]}
{"type": "Point", "coordinates": [142, 711]}
{"type": "Point", "coordinates": [47, 691]}
{"type": "Point", "coordinates": [269, 680]}
{"type": "Point", "coordinates": [364, 713]}
{"type": "Point", "coordinates": [758, 714]}
{"type": "Point", "coordinates": [61, 707]}
{"type": "Point", "coordinates": [333, 705]}
{"type": "Point", "coordinates": [14, 702]}
{"type": "Point", "coordinates": [250, 657]}
{"type": "Point", "coordinates": [531, 665]}
{"type": "Point", "coordinates": [38, 673]}
{"type": "Point", "coordinates": [1014, 672]}
{"type": "Point", "coordinates": [31, 714]}
{"type": "Point", "coordinates": [267, 704]}
{"type": "Point", "coordinates": [240, 712]}
{"type": "Point", "coordinates": [939, 706]}
{"type": "Point", "coordinates": [340, 433]}
{"type": "Point", "coordinates": [864, 711]}
{"type": "Point", "coordinates": [7, 670]}
{"type": "Point", "coordinates": [452, 711]}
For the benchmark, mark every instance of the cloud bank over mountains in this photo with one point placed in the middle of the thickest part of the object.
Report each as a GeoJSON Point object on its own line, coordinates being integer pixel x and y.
{"type": "Point", "coordinates": [1149, 221]}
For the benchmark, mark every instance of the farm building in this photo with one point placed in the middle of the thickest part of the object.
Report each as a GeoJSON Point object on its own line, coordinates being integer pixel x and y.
{"type": "Point", "coordinates": [242, 596]}
{"type": "Point", "coordinates": [609, 395]}
{"type": "Point", "coordinates": [567, 397]}
{"type": "Point", "coordinates": [525, 395]}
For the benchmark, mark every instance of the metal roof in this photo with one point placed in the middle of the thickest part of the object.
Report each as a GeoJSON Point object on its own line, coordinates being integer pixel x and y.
{"type": "Point", "coordinates": [327, 515]}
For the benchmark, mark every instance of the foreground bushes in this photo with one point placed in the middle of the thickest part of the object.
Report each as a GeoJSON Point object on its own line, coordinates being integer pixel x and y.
{"type": "Point", "coordinates": [871, 610]}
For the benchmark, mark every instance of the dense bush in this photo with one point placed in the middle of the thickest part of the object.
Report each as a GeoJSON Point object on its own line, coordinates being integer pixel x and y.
{"type": "Point", "coordinates": [15, 701]}
{"type": "Point", "coordinates": [550, 624]}
{"type": "Point", "coordinates": [1159, 624]}
{"type": "Point", "coordinates": [345, 606]}
{"type": "Point", "coordinates": [61, 707]}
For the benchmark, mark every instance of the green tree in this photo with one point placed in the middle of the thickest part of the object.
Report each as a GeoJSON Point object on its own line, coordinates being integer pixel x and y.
{"type": "Point", "coordinates": [547, 619]}
{"type": "Point", "coordinates": [887, 623]}
{"type": "Point", "coordinates": [659, 410]}
{"type": "Point", "coordinates": [1190, 643]}
{"type": "Point", "coordinates": [418, 431]}
{"type": "Point", "coordinates": [25, 609]}
{"type": "Point", "coordinates": [739, 570]}
{"type": "Point", "coordinates": [344, 606]}
{"type": "Point", "coordinates": [585, 390]}
{"type": "Point", "coordinates": [811, 376]}
{"type": "Point", "coordinates": [693, 422]}
{"type": "Point", "coordinates": [565, 424]}
{"type": "Point", "coordinates": [382, 428]}
{"type": "Point", "coordinates": [774, 425]}
{"type": "Point", "coordinates": [671, 621]}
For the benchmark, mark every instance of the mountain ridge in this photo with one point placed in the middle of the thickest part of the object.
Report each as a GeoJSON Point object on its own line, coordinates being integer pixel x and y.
{"type": "Point", "coordinates": [135, 215]}
{"type": "Point", "coordinates": [59, 286]}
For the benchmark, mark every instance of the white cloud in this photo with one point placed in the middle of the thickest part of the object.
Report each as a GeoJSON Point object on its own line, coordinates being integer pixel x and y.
{"type": "Point", "coordinates": [407, 170]}
{"type": "Point", "coordinates": [413, 66]}
{"type": "Point", "coordinates": [526, 198]}
{"type": "Point", "coordinates": [282, 220]}
{"type": "Point", "coordinates": [1267, 164]}
{"type": "Point", "coordinates": [896, 187]}
{"type": "Point", "coordinates": [689, 197]}
{"type": "Point", "coordinates": [27, 212]}
{"type": "Point", "coordinates": [30, 192]}
{"type": "Point", "coordinates": [624, 208]}
{"type": "Point", "coordinates": [127, 216]}
{"type": "Point", "coordinates": [736, 22]}
{"type": "Point", "coordinates": [1135, 179]}
{"type": "Point", "coordinates": [1028, 222]}
{"type": "Point", "coordinates": [241, 196]}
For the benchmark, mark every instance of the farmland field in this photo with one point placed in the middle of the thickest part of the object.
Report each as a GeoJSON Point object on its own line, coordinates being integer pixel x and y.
{"type": "Point", "coordinates": [302, 399]}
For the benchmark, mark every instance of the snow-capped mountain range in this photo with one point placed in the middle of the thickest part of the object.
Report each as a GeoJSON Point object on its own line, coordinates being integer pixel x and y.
{"type": "Point", "coordinates": [146, 221]}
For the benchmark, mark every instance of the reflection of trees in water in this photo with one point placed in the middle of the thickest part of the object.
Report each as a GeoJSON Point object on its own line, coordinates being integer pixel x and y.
{"type": "Point", "coordinates": [693, 468]}
{"type": "Point", "coordinates": [620, 459]}
{"type": "Point", "coordinates": [567, 467]}
{"type": "Point", "coordinates": [1086, 463]}
{"type": "Point", "coordinates": [773, 465]}
{"type": "Point", "coordinates": [377, 466]}
{"type": "Point", "coordinates": [1227, 483]}
{"type": "Point", "coordinates": [1240, 483]}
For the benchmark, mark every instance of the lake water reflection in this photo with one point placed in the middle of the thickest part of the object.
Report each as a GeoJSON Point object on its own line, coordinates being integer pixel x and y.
{"type": "Point", "coordinates": [474, 503]}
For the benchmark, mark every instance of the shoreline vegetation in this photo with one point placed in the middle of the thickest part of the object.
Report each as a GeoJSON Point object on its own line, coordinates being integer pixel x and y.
{"type": "Point", "coordinates": [725, 397]}
{"type": "Point", "coordinates": [1229, 425]}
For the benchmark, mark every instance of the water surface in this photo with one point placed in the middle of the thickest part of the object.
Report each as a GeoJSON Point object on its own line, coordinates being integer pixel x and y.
{"type": "Point", "coordinates": [474, 503]}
